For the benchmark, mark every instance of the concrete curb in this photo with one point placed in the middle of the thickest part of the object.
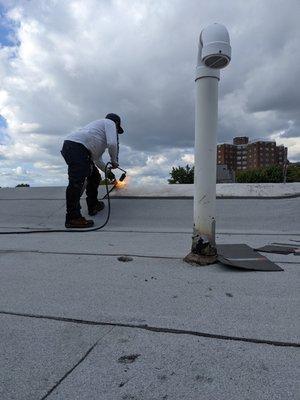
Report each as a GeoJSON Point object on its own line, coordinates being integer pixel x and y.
{"type": "Point", "coordinates": [287, 196]}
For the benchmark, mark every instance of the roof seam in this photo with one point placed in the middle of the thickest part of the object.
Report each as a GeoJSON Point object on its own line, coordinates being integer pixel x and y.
{"type": "Point", "coordinates": [158, 330]}
{"type": "Point", "coordinates": [10, 251]}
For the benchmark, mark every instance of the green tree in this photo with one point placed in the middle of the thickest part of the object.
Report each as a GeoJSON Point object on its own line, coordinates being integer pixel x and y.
{"type": "Point", "coordinates": [293, 173]}
{"type": "Point", "coordinates": [272, 174]}
{"type": "Point", "coordinates": [22, 185]}
{"type": "Point", "coordinates": [182, 175]}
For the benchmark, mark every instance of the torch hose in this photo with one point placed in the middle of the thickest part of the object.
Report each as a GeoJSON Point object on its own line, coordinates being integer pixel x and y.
{"type": "Point", "coordinates": [106, 196]}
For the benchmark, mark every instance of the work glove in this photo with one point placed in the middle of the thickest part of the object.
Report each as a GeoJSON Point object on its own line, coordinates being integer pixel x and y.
{"type": "Point", "coordinates": [111, 176]}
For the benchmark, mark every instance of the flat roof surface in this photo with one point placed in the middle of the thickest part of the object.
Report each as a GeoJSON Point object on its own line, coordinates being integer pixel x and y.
{"type": "Point", "coordinates": [77, 323]}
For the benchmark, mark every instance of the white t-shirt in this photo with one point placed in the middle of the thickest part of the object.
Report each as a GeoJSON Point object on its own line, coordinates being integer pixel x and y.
{"type": "Point", "coordinates": [98, 136]}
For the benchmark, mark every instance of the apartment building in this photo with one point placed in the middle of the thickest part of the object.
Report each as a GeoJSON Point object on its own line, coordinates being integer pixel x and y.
{"type": "Point", "coordinates": [227, 155]}
{"type": "Point", "coordinates": [261, 154]}
{"type": "Point", "coordinates": [243, 155]}
{"type": "Point", "coordinates": [281, 154]}
{"type": "Point", "coordinates": [241, 144]}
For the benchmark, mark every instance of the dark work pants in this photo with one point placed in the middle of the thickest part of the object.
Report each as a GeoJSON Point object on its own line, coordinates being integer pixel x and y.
{"type": "Point", "coordinates": [81, 170]}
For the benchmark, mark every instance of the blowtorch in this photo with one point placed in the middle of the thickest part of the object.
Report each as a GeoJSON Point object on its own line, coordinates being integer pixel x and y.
{"type": "Point", "coordinates": [123, 176]}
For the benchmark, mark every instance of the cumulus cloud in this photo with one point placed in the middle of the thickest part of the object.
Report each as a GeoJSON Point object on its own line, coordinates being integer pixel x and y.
{"type": "Point", "coordinates": [72, 62]}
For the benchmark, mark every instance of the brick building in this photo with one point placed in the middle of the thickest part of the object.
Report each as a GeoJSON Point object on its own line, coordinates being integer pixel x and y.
{"type": "Point", "coordinates": [243, 155]}
{"type": "Point", "coordinates": [240, 140]}
{"type": "Point", "coordinates": [227, 155]}
{"type": "Point", "coordinates": [281, 155]}
{"type": "Point", "coordinates": [241, 144]}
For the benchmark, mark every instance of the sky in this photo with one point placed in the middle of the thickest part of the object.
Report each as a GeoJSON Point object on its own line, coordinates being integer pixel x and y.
{"type": "Point", "coordinates": [66, 63]}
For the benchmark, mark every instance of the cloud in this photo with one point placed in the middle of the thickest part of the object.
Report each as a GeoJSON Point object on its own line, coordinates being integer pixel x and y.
{"type": "Point", "coordinates": [292, 143]}
{"type": "Point", "coordinates": [74, 61]}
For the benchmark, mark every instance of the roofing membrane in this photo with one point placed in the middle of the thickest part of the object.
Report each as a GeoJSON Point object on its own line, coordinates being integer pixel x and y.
{"type": "Point", "coordinates": [72, 312]}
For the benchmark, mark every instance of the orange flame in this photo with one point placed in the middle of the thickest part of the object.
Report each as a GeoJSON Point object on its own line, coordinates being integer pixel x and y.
{"type": "Point", "coordinates": [120, 185]}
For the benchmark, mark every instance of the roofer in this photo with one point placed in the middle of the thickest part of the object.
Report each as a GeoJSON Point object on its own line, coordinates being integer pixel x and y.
{"type": "Point", "coordinates": [82, 151]}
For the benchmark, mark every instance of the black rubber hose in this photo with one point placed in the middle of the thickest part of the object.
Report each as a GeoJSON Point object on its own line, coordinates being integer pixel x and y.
{"type": "Point", "coordinates": [73, 230]}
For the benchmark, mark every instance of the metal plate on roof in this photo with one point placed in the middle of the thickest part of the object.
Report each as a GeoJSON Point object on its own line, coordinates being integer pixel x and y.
{"type": "Point", "coordinates": [276, 249]}
{"type": "Point", "coordinates": [243, 256]}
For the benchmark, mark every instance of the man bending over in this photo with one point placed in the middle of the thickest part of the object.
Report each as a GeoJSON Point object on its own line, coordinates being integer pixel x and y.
{"type": "Point", "coordinates": [82, 151]}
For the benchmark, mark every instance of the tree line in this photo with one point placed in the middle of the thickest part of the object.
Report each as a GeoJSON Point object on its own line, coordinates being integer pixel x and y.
{"type": "Point", "coordinates": [271, 174]}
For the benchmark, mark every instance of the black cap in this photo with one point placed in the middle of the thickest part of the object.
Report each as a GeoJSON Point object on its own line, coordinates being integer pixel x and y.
{"type": "Point", "coordinates": [117, 120]}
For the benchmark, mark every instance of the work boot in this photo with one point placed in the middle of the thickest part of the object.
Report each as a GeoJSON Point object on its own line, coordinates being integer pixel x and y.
{"type": "Point", "coordinates": [80, 222]}
{"type": "Point", "coordinates": [95, 209]}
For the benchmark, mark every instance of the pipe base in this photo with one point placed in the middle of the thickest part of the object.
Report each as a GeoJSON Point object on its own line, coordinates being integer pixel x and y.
{"type": "Point", "coordinates": [199, 259]}
{"type": "Point", "coordinates": [203, 251]}
{"type": "Point", "coordinates": [203, 245]}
